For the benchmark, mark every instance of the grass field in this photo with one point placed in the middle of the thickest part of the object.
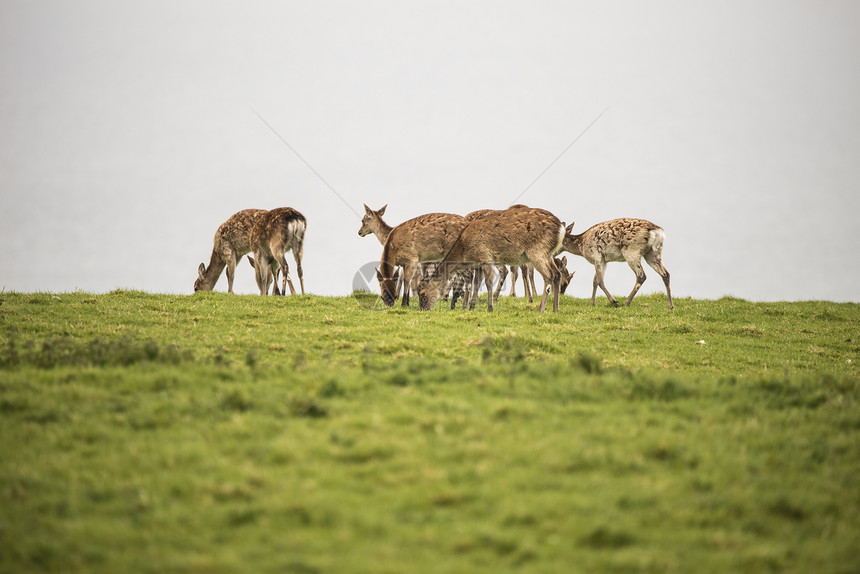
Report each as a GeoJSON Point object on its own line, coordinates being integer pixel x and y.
{"type": "Point", "coordinates": [219, 433]}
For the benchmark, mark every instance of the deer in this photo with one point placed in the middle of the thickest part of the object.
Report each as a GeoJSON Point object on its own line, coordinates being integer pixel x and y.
{"type": "Point", "coordinates": [424, 238]}
{"type": "Point", "coordinates": [515, 236]}
{"type": "Point", "coordinates": [623, 239]}
{"type": "Point", "coordinates": [276, 232]}
{"type": "Point", "coordinates": [231, 243]}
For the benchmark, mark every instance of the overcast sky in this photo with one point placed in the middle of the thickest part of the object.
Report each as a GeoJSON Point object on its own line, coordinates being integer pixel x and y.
{"type": "Point", "coordinates": [130, 130]}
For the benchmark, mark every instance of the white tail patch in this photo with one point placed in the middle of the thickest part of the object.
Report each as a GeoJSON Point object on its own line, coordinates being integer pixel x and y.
{"type": "Point", "coordinates": [296, 228]}
{"type": "Point", "coordinates": [655, 239]}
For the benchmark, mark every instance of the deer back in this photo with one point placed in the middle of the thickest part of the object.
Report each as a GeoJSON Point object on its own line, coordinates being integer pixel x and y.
{"type": "Point", "coordinates": [509, 237]}
{"type": "Point", "coordinates": [424, 238]}
{"type": "Point", "coordinates": [611, 238]}
{"type": "Point", "coordinates": [481, 213]}
{"type": "Point", "coordinates": [236, 231]}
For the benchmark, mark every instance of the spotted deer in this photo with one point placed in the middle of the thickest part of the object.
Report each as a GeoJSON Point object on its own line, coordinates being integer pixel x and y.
{"type": "Point", "coordinates": [516, 236]}
{"type": "Point", "coordinates": [232, 242]}
{"type": "Point", "coordinates": [424, 238]}
{"type": "Point", "coordinates": [620, 240]}
{"type": "Point", "coordinates": [276, 232]}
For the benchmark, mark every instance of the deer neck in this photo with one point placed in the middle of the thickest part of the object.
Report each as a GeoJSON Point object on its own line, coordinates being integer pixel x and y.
{"type": "Point", "coordinates": [387, 265]}
{"type": "Point", "coordinates": [213, 270]}
{"type": "Point", "coordinates": [572, 244]}
{"type": "Point", "coordinates": [381, 230]}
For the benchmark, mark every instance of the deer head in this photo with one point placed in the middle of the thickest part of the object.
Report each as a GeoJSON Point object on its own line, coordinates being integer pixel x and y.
{"type": "Point", "coordinates": [370, 219]}
{"type": "Point", "coordinates": [566, 275]}
{"type": "Point", "coordinates": [430, 288]}
{"type": "Point", "coordinates": [201, 277]}
{"type": "Point", "coordinates": [388, 287]}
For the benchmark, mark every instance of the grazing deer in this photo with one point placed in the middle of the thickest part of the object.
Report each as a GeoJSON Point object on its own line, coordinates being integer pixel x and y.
{"type": "Point", "coordinates": [620, 240]}
{"type": "Point", "coordinates": [424, 238]}
{"type": "Point", "coordinates": [515, 236]}
{"type": "Point", "coordinates": [232, 241]}
{"type": "Point", "coordinates": [278, 231]}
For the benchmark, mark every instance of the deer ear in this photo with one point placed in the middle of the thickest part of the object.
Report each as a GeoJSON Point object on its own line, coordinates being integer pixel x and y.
{"type": "Point", "coordinates": [378, 275]}
{"type": "Point", "coordinates": [251, 261]}
{"type": "Point", "coordinates": [367, 209]}
{"type": "Point", "coordinates": [564, 261]}
{"type": "Point", "coordinates": [381, 211]}
{"type": "Point", "coordinates": [201, 270]}
{"type": "Point", "coordinates": [569, 228]}
{"type": "Point", "coordinates": [396, 274]}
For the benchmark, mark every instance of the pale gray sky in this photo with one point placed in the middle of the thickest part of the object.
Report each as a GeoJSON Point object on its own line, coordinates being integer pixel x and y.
{"type": "Point", "coordinates": [129, 132]}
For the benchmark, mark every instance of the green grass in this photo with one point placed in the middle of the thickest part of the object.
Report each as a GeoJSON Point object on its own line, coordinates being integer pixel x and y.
{"type": "Point", "coordinates": [218, 433]}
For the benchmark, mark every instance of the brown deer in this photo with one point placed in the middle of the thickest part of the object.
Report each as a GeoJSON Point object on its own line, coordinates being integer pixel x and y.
{"type": "Point", "coordinates": [620, 240]}
{"type": "Point", "coordinates": [232, 241]}
{"type": "Point", "coordinates": [424, 238]}
{"type": "Point", "coordinates": [278, 231]}
{"type": "Point", "coordinates": [515, 236]}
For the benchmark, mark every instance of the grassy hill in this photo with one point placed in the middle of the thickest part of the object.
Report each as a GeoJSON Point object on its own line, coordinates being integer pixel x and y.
{"type": "Point", "coordinates": [218, 433]}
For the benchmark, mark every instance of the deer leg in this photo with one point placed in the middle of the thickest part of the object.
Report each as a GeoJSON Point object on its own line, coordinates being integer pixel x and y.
{"type": "Point", "coordinates": [530, 268]}
{"type": "Point", "coordinates": [636, 265]}
{"type": "Point", "coordinates": [456, 289]}
{"type": "Point", "coordinates": [489, 273]}
{"type": "Point", "coordinates": [477, 277]}
{"type": "Point", "coordinates": [467, 287]}
{"type": "Point", "coordinates": [231, 270]}
{"type": "Point", "coordinates": [515, 274]}
{"type": "Point", "coordinates": [261, 273]}
{"type": "Point", "coordinates": [654, 260]}
{"type": "Point", "coordinates": [274, 272]}
{"type": "Point", "coordinates": [599, 271]}
{"type": "Point", "coordinates": [524, 271]}
{"type": "Point", "coordinates": [556, 286]}
{"type": "Point", "coordinates": [297, 255]}
{"type": "Point", "coordinates": [548, 270]}
{"type": "Point", "coordinates": [399, 285]}
{"type": "Point", "coordinates": [409, 272]}
{"type": "Point", "coordinates": [282, 262]}
{"type": "Point", "coordinates": [417, 275]}
{"type": "Point", "coordinates": [503, 274]}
